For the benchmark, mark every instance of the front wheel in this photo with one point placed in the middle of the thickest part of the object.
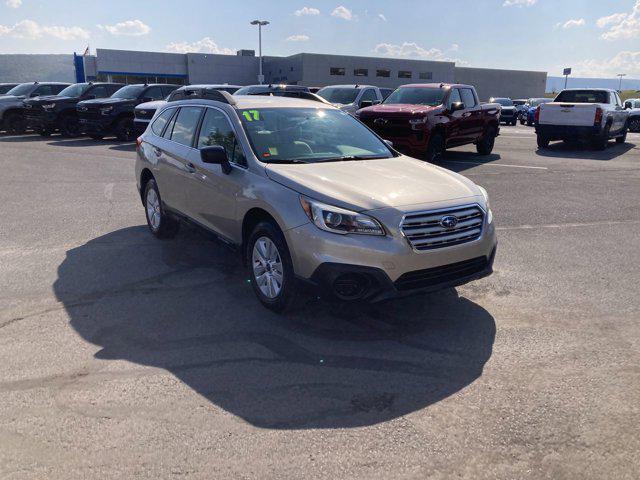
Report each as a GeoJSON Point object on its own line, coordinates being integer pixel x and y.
{"type": "Point", "coordinates": [44, 132]}
{"type": "Point", "coordinates": [15, 124]}
{"type": "Point", "coordinates": [436, 148]}
{"type": "Point", "coordinates": [70, 127]}
{"type": "Point", "coordinates": [543, 141]}
{"type": "Point", "coordinates": [634, 125]}
{"type": "Point", "coordinates": [160, 224]}
{"type": "Point", "coordinates": [270, 267]}
{"type": "Point", "coordinates": [486, 143]}
{"type": "Point", "coordinates": [124, 129]}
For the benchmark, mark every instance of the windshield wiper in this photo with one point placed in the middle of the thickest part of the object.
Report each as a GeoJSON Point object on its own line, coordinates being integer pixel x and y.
{"type": "Point", "coordinates": [284, 160]}
{"type": "Point", "coordinates": [351, 157]}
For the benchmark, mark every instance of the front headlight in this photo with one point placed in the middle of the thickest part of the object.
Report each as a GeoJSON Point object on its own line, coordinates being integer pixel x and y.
{"type": "Point", "coordinates": [48, 106]}
{"type": "Point", "coordinates": [487, 205]}
{"type": "Point", "coordinates": [106, 110]}
{"type": "Point", "coordinates": [338, 220]}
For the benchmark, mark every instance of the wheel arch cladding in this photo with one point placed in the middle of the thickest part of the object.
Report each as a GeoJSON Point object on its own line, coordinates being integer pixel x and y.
{"type": "Point", "coordinates": [145, 176]}
{"type": "Point", "coordinates": [252, 218]}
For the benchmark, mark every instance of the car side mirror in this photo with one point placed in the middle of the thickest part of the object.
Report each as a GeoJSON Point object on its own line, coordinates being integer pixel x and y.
{"type": "Point", "coordinates": [148, 99]}
{"type": "Point", "coordinates": [389, 143]}
{"type": "Point", "coordinates": [455, 106]}
{"type": "Point", "coordinates": [366, 103]}
{"type": "Point", "coordinates": [216, 155]}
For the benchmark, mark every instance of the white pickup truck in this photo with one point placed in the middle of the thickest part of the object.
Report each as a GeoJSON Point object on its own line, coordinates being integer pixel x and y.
{"type": "Point", "coordinates": [596, 115]}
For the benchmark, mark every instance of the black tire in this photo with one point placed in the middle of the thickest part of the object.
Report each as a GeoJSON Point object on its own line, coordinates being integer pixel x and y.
{"type": "Point", "coordinates": [125, 129]}
{"type": "Point", "coordinates": [69, 126]}
{"type": "Point", "coordinates": [529, 123]}
{"type": "Point", "coordinates": [96, 137]}
{"type": "Point", "coordinates": [165, 226]}
{"type": "Point", "coordinates": [44, 132]}
{"type": "Point", "coordinates": [622, 138]}
{"type": "Point", "coordinates": [600, 143]}
{"type": "Point", "coordinates": [288, 288]}
{"type": "Point", "coordinates": [522, 121]}
{"type": "Point", "coordinates": [513, 124]}
{"type": "Point", "coordinates": [15, 124]}
{"type": "Point", "coordinates": [634, 125]}
{"type": "Point", "coordinates": [436, 148]}
{"type": "Point", "coordinates": [486, 143]}
{"type": "Point", "coordinates": [543, 141]}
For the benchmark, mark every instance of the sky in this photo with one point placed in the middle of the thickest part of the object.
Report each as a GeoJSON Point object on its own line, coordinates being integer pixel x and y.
{"type": "Point", "coordinates": [595, 38]}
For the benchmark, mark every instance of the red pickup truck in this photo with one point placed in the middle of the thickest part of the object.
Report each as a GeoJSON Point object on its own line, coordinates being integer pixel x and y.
{"type": "Point", "coordinates": [426, 119]}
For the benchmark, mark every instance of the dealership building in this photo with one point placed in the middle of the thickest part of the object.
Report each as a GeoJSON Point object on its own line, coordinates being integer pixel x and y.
{"type": "Point", "coordinates": [309, 69]}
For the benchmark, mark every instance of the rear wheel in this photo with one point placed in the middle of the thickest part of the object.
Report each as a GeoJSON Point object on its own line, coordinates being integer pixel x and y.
{"type": "Point", "coordinates": [543, 141]}
{"type": "Point", "coordinates": [600, 143]}
{"type": "Point", "coordinates": [15, 124]}
{"type": "Point", "coordinates": [270, 267]}
{"type": "Point", "coordinates": [44, 132]}
{"type": "Point", "coordinates": [622, 138]}
{"type": "Point", "coordinates": [160, 224]}
{"type": "Point", "coordinates": [96, 137]}
{"type": "Point", "coordinates": [486, 143]}
{"type": "Point", "coordinates": [634, 125]}
{"type": "Point", "coordinates": [436, 148]}
{"type": "Point", "coordinates": [124, 129]}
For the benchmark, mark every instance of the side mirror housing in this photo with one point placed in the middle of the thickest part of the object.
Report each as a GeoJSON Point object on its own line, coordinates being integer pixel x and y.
{"type": "Point", "coordinates": [389, 143]}
{"type": "Point", "coordinates": [216, 155]}
{"type": "Point", "coordinates": [456, 106]}
{"type": "Point", "coordinates": [366, 103]}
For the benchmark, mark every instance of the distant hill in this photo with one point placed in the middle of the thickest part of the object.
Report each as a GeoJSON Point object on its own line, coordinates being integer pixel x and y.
{"type": "Point", "coordinates": [555, 84]}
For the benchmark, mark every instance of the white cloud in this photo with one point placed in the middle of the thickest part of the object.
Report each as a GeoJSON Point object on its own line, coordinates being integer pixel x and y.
{"type": "Point", "coordinates": [623, 62]}
{"type": "Point", "coordinates": [298, 38]}
{"type": "Point", "coordinates": [129, 28]}
{"type": "Point", "coordinates": [13, 3]}
{"type": "Point", "coordinates": [382, 17]}
{"type": "Point", "coordinates": [574, 22]}
{"type": "Point", "coordinates": [342, 12]}
{"type": "Point", "coordinates": [28, 29]}
{"type": "Point", "coordinates": [621, 25]}
{"type": "Point", "coordinates": [519, 3]}
{"type": "Point", "coordinates": [454, 47]}
{"type": "Point", "coordinates": [412, 50]}
{"type": "Point", "coordinates": [306, 11]}
{"type": "Point", "coordinates": [205, 45]}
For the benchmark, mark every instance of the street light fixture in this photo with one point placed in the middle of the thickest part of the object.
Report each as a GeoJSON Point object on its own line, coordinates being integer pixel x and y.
{"type": "Point", "coordinates": [260, 24]}
{"type": "Point", "coordinates": [621, 75]}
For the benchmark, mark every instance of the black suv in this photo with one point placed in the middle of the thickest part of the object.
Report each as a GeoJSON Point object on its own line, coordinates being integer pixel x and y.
{"type": "Point", "coordinates": [114, 115]}
{"type": "Point", "coordinates": [53, 113]}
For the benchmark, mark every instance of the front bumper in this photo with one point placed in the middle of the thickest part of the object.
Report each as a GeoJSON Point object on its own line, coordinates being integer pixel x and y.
{"type": "Point", "coordinates": [96, 125]}
{"type": "Point", "coordinates": [559, 132]}
{"type": "Point", "coordinates": [372, 268]}
{"type": "Point", "coordinates": [40, 119]}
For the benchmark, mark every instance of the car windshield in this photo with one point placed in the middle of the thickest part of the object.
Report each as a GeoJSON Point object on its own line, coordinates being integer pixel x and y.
{"type": "Point", "coordinates": [416, 96]}
{"type": "Point", "coordinates": [309, 135]}
{"type": "Point", "coordinates": [505, 102]}
{"type": "Point", "coordinates": [339, 94]}
{"type": "Point", "coordinates": [582, 96]}
{"type": "Point", "coordinates": [22, 89]}
{"type": "Point", "coordinates": [130, 91]}
{"type": "Point", "coordinates": [74, 90]}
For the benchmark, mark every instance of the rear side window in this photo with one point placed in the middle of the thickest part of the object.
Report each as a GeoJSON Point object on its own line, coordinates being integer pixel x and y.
{"type": "Point", "coordinates": [184, 127]}
{"type": "Point", "coordinates": [216, 130]}
{"type": "Point", "coordinates": [468, 98]}
{"type": "Point", "coordinates": [158, 124]}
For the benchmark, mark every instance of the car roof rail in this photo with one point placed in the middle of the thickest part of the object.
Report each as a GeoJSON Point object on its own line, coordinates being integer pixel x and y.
{"type": "Point", "coordinates": [204, 94]}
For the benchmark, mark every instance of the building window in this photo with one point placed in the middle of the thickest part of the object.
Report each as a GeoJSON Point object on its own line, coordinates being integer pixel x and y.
{"type": "Point", "coordinates": [425, 75]}
{"type": "Point", "coordinates": [404, 74]}
{"type": "Point", "coordinates": [383, 73]}
{"type": "Point", "coordinates": [336, 71]}
{"type": "Point", "coordinates": [360, 72]}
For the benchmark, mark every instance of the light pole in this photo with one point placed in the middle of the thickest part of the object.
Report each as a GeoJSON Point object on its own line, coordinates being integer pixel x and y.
{"type": "Point", "coordinates": [260, 24]}
{"type": "Point", "coordinates": [621, 75]}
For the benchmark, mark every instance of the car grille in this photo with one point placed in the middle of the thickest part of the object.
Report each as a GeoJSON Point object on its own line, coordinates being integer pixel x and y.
{"type": "Point", "coordinates": [392, 127]}
{"type": "Point", "coordinates": [146, 114]}
{"type": "Point", "coordinates": [89, 113]}
{"type": "Point", "coordinates": [425, 230]}
{"type": "Point", "coordinates": [438, 275]}
{"type": "Point", "coordinates": [506, 113]}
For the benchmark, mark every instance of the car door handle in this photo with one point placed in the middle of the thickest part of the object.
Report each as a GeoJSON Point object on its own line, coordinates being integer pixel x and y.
{"type": "Point", "coordinates": [191, 168]}
{"type": "Point", "coordinates": [157, 151]}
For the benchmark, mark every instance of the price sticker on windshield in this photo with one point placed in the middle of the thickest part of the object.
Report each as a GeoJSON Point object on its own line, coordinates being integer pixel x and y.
{"type": "Point", "coordinates": [251, 115]}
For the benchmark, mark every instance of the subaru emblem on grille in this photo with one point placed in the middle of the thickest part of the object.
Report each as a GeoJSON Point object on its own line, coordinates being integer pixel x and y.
{"type": "Point", "coordinates": [449, 221]}
{"type": "Point", "coordinates": [381, 121]}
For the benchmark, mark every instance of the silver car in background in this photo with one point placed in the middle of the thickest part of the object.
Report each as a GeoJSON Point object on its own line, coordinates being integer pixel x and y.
{"type": "Point", "coordinates": [351, 98]}
{"type": "Point", "coordinates": [308, 194]}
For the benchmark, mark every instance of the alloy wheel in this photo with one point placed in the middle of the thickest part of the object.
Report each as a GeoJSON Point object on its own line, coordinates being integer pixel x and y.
{"type": "Point", "coordinates": [153, 209]}
{"type": "Point", "coordinates": [267, 267]}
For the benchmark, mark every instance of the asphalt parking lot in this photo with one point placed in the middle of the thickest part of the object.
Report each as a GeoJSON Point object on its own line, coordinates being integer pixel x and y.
{"type": "Point", "coordinates": [122, 356]}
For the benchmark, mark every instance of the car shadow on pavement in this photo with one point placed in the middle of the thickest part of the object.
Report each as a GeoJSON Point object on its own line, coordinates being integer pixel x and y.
{"type": "Point", "coordinates": [185, 306]}
{"type": "Point", "coordinates": [584, 151]}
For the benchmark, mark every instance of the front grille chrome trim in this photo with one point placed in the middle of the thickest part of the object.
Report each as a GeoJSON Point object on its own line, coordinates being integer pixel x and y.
{"type": "Point", "coordinates": [423, 231]}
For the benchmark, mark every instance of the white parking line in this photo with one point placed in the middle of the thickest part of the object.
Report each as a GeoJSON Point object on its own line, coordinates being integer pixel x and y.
{"type": "Point", "coordinates": [569, 225]}
{"type": "Point", "coordinates": [496, 164]}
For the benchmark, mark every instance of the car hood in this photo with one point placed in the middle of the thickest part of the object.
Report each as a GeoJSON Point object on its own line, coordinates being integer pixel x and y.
{"type": "Point", "coordinates": [363, 185]}
{"type": "Point", "coordinates": [11, 99]}
{"type": "Point", "coordinates": [51, 98]}
{"type": "Point", "coordinates": [108, 101]}
{"type": "Point", "coordinates": [398, 109]}
{"type": "Point", "coordinates": [156, 104]}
